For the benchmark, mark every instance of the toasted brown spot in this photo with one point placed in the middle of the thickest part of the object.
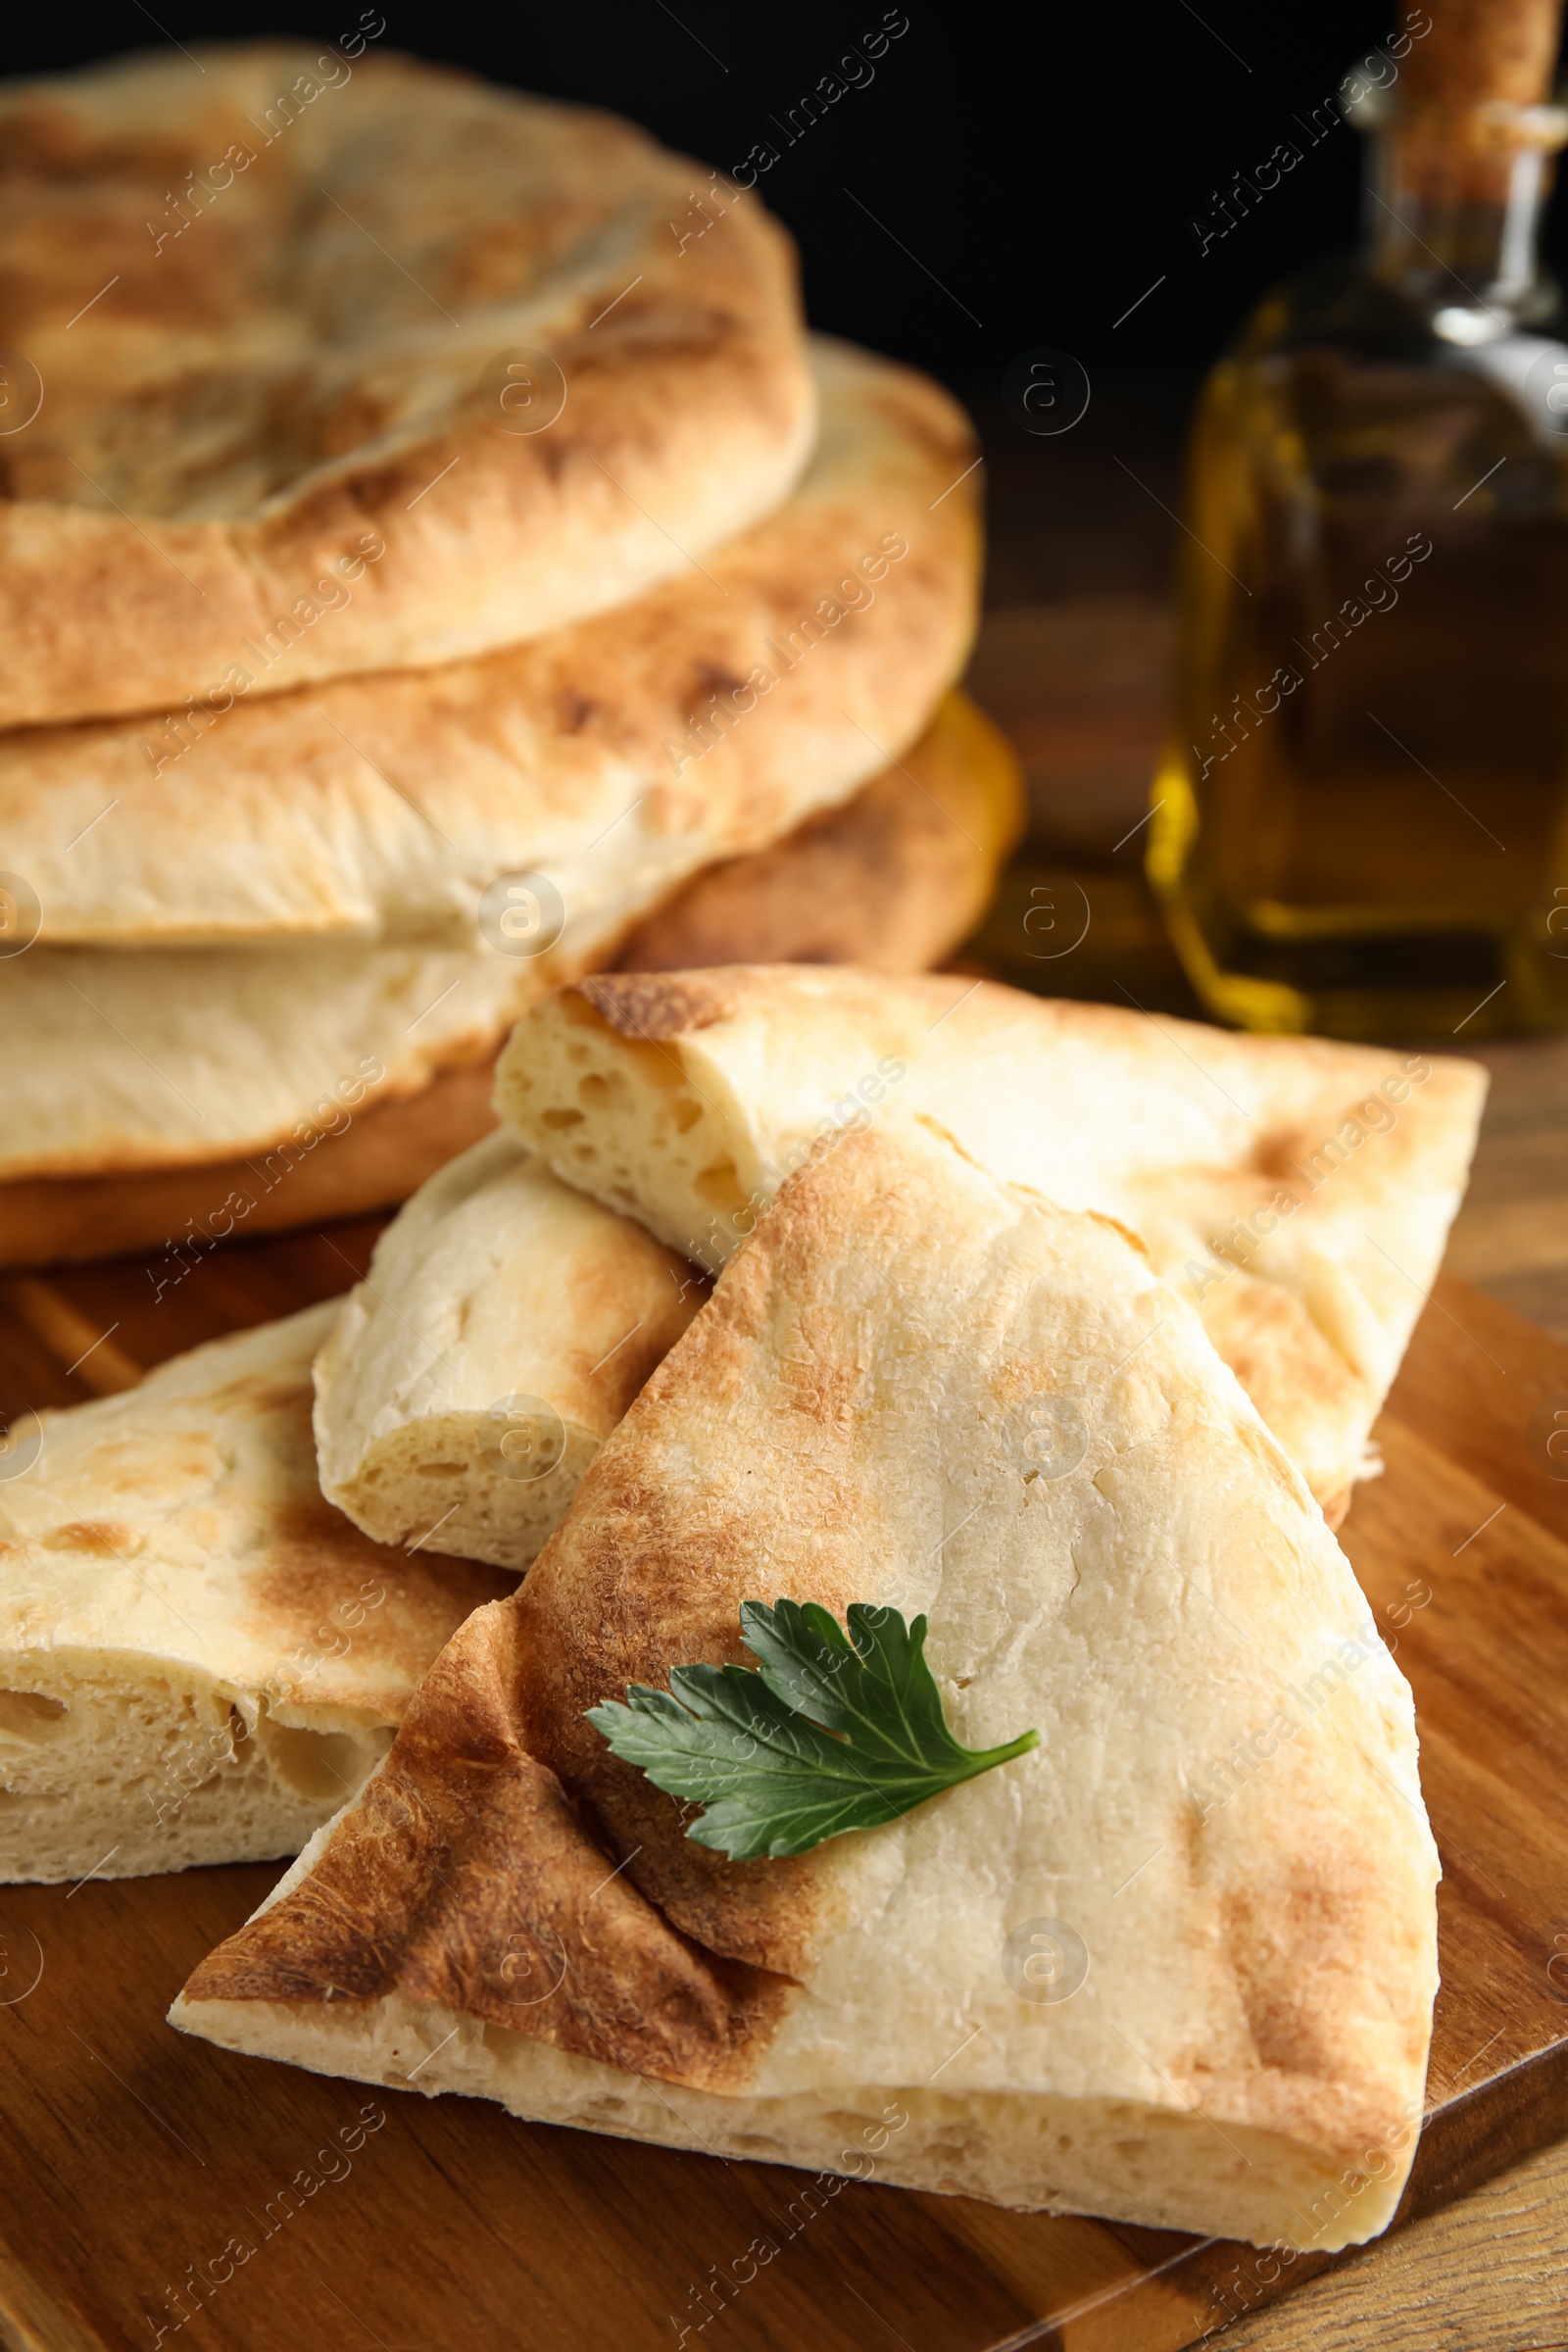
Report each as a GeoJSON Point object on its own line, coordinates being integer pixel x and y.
{"type": "Point", "coordinates": [106, 1538]}
{"type": "Point", "coordinates": [1133, 1241]}
{"type": "Point", "coordinates": [1295, 1377]}
{"type": "Point", "coordinates": [1282, 1946]}
{"type": "Point", "coordinates": [657, 1004]}
{"type": "Point", "coordinates": [467, 1877]}
{"type": "Point", "coordinates": [316, 1558]}
{"type": "Point", "coordinates": [1273, 1153]}
{"type": "Point", "coordinates": [713, 677]}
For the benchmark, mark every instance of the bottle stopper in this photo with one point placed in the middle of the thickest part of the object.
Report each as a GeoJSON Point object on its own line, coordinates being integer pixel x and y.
{"type": "Point", "coordinates": [1482, 53]}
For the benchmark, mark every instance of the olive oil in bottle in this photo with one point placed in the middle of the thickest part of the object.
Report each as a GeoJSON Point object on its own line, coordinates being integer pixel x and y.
{"type": "Point", "coordinates": [1362, 823]}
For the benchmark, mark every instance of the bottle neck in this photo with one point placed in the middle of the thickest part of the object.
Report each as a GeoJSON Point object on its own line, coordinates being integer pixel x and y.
{"type": "Point", "coordinates": [1453, 211]}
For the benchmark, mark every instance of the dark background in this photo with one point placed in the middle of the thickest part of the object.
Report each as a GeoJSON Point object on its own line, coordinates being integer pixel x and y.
{"type": "Point", "coordinates": [1041, 163]}
{"type": "Point", "coordinates": [1031, 175]}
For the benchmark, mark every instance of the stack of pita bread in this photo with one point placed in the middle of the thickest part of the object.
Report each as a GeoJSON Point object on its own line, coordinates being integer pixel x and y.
{"type": "Point", "coordinates": [792, 1284]}
{"type": "Point", "coordinates": [434, 563]}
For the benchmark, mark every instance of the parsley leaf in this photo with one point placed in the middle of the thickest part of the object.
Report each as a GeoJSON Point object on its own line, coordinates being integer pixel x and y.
{"type": "Point", "coordinates": [835, 1733]}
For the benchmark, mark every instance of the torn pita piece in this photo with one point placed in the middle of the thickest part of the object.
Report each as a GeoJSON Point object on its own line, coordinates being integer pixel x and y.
{"type": "Point", "coordinates": [504, 1326]}
{"type": "Point", "coordinates": [199, 1658]}
{"type": "Point", "coordinates": [1297, 1192]}
{"type": "Point", "coordinates": [1176, 1965]}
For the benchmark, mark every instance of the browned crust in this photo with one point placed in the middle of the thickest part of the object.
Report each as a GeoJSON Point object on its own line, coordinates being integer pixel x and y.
{"type": "Point", "coordinates": [314, 1558]}
{"type": "Point", "coordinates": [1295, 1375]}
{"type": "Point", "coordinates": [464, 1875]}
{"type": "Point", "coordinates": [655, 1007]}
{"type": "Point", "coordinates": [502, 1821]}
{"type": "Point", "coordinates": [1317, 1398]}
{"type": "Point", "coordinates": [328, 1619]}
{"type": "Point", "coordinates": [659, 1574]}
{"type": "Point", "coordinates": [504, 1825]}
{"type": "Point", "coordinates": [696, 384]}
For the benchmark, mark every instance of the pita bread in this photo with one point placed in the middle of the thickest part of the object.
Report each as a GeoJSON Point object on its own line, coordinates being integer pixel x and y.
{"type": "Point", "coordinates": [1220, 1833]}
{"type": "Point", "coordinates": [237, 410]}
{"type": "Point", "coordinates": [200, 1659]}
{"type": "Point", "coordinates": [616, 757]}
{"type": "Point", "coordinates": [506, 1324]}
{"type": "Point", "coordinates": [682, 1099]}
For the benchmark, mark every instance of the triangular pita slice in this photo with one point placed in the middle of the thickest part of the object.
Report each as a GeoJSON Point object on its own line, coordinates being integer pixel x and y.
{"type": "Point", "coordinates": [502, 1329]}
{"type": "Point", "coordinates": [1299, 1192]}
{"type": "Point", "coordinates": [1175, 1966]}
{"type": "Point", "coordinates": [199, 1658]}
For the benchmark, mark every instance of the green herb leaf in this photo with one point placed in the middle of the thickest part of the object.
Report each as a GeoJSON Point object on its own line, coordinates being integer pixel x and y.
{"type": "Point", "coordinates": [835, 1733]}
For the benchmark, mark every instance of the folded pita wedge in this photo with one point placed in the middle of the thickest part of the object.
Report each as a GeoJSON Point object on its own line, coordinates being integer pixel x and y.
{"type": "Point", "coordinates": [294, 310]}
{"type": "Point", "coordinates": [1299, 1192]}
{"type": "Point", "coordinates": [1175, 1966]}
{"type": "Point", "coordinates": [199, 1658]}
{"type": "Point", "coordinates": [506, 1324]}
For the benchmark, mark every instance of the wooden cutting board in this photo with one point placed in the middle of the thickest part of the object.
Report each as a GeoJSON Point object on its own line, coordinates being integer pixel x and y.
{"type": "Point", "coordinates": [139, 2163]}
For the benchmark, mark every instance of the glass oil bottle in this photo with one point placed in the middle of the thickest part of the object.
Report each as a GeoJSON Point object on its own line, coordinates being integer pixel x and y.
{"type": "Point", "coordinates": [1361, 826]}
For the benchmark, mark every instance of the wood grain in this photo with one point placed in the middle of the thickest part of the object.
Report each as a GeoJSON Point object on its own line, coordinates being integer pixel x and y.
{"type": "Point", "coordinates": [137, 2156]}
{"type": "Point", "coordinates": [1511, 1235]}
{"type": "Point", "coordinates": [1490, 2275]}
